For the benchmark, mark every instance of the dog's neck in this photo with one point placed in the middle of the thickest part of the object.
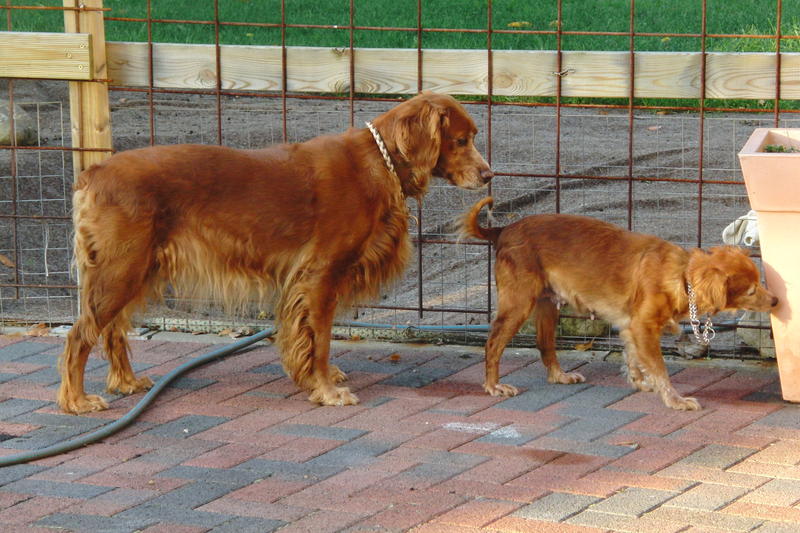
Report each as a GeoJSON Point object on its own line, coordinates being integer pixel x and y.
{"type": "Point", "coordinates": [409, 184]}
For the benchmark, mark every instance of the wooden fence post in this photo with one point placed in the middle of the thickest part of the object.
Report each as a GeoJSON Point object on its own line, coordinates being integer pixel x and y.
{"type": "Point", "coordinates": [88, 100]}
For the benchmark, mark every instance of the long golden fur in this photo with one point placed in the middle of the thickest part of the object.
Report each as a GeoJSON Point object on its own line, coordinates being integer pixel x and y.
{"type": "Point", "coordinates": [635, 281]}
{"type": "Point", "coordinates": [309, 227]}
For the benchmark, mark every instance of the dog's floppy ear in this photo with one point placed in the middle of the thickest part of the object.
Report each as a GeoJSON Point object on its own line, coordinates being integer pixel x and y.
{"type": "Point", "coordinates": [711, 289]}
{"type": "Point", "coordinates": [418, 135]}
{"type": "Point", "coordinates": [709, 281]}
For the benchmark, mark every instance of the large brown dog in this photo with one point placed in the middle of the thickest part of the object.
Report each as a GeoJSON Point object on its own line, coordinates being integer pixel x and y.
{"type": "Point", "coordinates": [639, 283]}
{"type": "Point", "coordinates": [310, 226]}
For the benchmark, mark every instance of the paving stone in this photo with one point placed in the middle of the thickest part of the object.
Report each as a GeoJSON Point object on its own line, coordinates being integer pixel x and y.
{"type": "Point", "coordinates": [592, 423]}
{"type": "Point", "coordinates": [14, 407]}
{"type": "Point", "coordinates": [235, 477]}
{"type": "Point", "coordinates": [353, 453]}
{"type": "Point", "coordinates": [633, 501]}
{"type": "Point", "coordinates": [717, 456]}
{"type": "Point", "coordinates": [10, 474]}
{"type": "Point", "coordinates": [193, 384]}
{"type": "Point", "coordinates": [542, 396]}
{"type": "Point", "coordinates": [187, 426]}
{"type": "Point", "coordinates": [96, 523]}
{"type": "Point", "coordinates": [418, 376]}
{"type": "Point", "coordinates": [707, 497]}
{"type": "Point", "coordinates": [55, 489]}
{"type": "Point", "coordinates": [192, 495]}
{"type": "Point", "coordinates": [598, 396]}
{"type": "Point", "coordinates": [555, 507]}
{"type": "Point", "coordinates": [154, 513]}
{"type": "Point", "coordinates": [788, 417]}
{"type": "Point", "coordinates": [318, 432]}
{"type": "Point", "coordinates": [22, 349]}
{"type": "Point", "coordinates": [290, 471]}
{"type": "Point", "coordinates": [248, 525]}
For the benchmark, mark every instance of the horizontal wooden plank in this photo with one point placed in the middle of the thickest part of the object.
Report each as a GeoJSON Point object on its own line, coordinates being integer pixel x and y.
{"type": "Point", "coordinates": [58, 56]}
{"type": "Point", "coordinates": [516, 72]}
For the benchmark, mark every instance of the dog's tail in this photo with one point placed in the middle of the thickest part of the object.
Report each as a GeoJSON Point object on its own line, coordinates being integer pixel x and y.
{"type": "Point", "coordinates": [469, 226]}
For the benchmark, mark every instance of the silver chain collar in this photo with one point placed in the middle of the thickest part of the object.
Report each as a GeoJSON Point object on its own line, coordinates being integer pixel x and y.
{"type": "Point", "coordinates": [708, 333]}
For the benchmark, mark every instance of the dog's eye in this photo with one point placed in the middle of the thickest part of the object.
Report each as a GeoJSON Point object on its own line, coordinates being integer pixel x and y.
{"type": "Point", "coordinates": [462, 141]}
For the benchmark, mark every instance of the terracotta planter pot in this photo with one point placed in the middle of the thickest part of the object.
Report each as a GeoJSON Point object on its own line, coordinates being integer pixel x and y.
{"type": "Point", "coordinates": [773, 187]}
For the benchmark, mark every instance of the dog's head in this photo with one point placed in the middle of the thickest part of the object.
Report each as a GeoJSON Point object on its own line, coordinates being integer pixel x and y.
{"type": "Point", "coordinates": [726, 279]}
{"type": "Point", "coordinates": [432, 135]}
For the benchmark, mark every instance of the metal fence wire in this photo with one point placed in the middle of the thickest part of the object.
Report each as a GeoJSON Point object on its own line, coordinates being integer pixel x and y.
{"type": "Point", "coordinates": [661, 166]}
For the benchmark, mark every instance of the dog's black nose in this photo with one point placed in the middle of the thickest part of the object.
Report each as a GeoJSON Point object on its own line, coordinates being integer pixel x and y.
{"type": "Point", "coordinates": [774, 301]}
{"type": "Point", "coordinates": [487, 175]}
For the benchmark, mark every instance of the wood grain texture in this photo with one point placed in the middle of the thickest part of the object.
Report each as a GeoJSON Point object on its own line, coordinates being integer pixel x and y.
{"type": "Point", "coordinates": [516, 72]}
{"type": "Point", "coordinates": [55, 56]}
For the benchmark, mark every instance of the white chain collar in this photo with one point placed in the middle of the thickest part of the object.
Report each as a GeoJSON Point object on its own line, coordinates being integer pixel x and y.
{"type": "Point", "coordinates": [708, 327]}
{"type": "Point", "coordinates": [381, 147]}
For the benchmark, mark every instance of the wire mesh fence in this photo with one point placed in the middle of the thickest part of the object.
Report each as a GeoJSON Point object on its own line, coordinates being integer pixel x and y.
{"type": "Point", "coordinates": [664, 166]}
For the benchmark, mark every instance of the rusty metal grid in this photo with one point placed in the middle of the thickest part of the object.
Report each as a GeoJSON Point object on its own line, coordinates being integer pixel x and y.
{"type": "Point", "coordinates": [450, 281]}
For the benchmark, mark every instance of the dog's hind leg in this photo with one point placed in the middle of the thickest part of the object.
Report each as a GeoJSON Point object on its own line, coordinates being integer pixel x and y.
{"type": "Point", "coordinates": [546, 322]}
{"type": "Point", "coordinates": [121, 378]}
{"type": "Point", "coordinates": [514, 305]}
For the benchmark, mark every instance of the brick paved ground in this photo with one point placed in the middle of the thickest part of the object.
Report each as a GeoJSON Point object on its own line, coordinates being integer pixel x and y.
{"type": "Point", "coordinates": [234, 447]}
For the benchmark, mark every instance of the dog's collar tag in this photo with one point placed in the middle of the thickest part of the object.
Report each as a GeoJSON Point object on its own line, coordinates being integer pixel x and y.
{"type": "Point", "coordinates": [708, 333]}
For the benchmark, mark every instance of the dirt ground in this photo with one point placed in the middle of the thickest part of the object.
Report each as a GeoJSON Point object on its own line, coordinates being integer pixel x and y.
{"type": "Point", "coordinates": [594, 143]}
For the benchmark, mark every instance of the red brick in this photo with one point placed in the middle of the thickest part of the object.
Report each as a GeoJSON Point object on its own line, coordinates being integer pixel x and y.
{"type": "Point", "coordinates": [301, 449]}
{"type": "Point", "coordinates": [33, 509]}
{"type": "Point", "coordinates": [501, 470]}
{"type": "Point", "coordinates": [112, 502]}
{"type": "Point", "coordinates": [781, 452]}
{"type": "Point", "coordinates": [438, 527]}
{"type": "Point", "coordinates": [404, 516]}
{"type": "Point", "coordinates": [231, 506]}
{"type": "Point", "coordinates": [705, 474]}
{"type": "Point", "coordinates": [269, 490]}
{"type": "Point", "coordinates": [654, 455]}
{"type": "Point", "coordinates": [477, 513]}
{"type": "Point", "coordinates": [322, 522]}
{"type": "Point", "coordinates": [562, 469]}
{"type": "Point", "coordinates": [764, 512]}
{"type": "Point", "coordinates": [228, 455]}
{"type": "Point", "coordinates": [483, 489]}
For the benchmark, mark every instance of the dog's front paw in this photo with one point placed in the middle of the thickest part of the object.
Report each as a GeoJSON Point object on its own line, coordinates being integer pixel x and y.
{"type": "Point", "coordinates": [333, 396]}
{"type": "Point", "coordinates": [565, 378]}
{"type": "Point", "coordinates": [84, 404]}
{"type": "Point", "coordinates": [675, 401]}
{"type": "Point", "coordinates": [501, 389]}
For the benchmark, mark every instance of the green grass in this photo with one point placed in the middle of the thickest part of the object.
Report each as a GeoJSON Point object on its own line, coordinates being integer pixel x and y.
{"type": "Point", "coordinates": [741, 17]}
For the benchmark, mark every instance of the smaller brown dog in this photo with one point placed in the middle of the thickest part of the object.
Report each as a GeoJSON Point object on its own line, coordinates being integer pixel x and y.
{"type": "Point", "coordinates": [640, 283]}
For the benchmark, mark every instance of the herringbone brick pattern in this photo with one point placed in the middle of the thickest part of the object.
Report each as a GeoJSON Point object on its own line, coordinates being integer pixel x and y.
{"type": "Point", "coordinates": [234, 446]}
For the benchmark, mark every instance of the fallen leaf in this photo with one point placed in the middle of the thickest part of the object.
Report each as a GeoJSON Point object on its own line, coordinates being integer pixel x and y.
{"type": "Point", "coordinates": [225, 332]}
{"type": "Point", "coordinates": [519, 24]}
{"type": "Point", "coordinates": [654, 128]}
{"type": "Point", "coordinates": [394, 358]}
{"type": "Point", "coordinates": [584, 346]}
{"type": "Point", "coordinates": [6, 261]}
{"type": "Point", "coordinates": [355, 337]}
